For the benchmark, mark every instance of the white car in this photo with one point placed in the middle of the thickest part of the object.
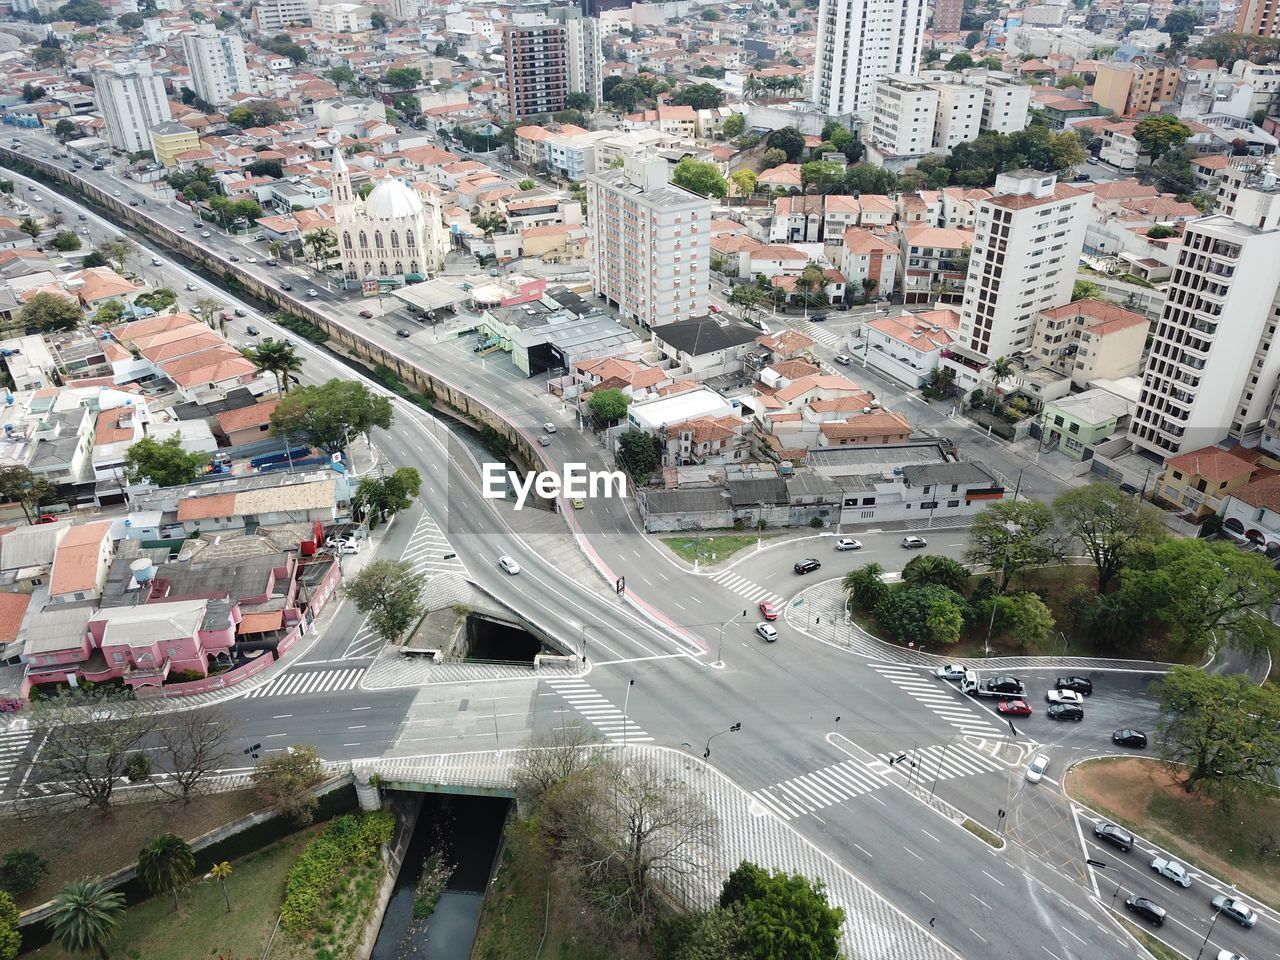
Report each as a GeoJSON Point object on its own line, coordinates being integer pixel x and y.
{"type": "Point", "coordinates": [115, 193]}
{"type": "Point", "coordinates": [1037, 767]}
{"type": "Point", "coordinates": [549, 427]}
{"type": "Point", "coordinates": [37, 199]}
{"type": "Point", "coordinates": [252, 260]}
{"type": "Point", "coordinates": [313, 292]}
{"type": "Point", "coordinates": [1172, 870]}
{"type": "Point", "coordinates": [1063, 696]}
{"type": "Point", "coordinates": [182, 229]}
{"type": "Point", "coordinates": [191, 286]}
{"type": "Point", "coordinates": [206, 234]}
{"type": "Point", "coordinates": [509, 565]}
{"type": "Point", "coordinates": [949, 671]}
{"type": "Point", "coordinates": [848, 543]}
{"type": "Point", "coordinates": [766, 632]}
{"type": "Point", "coordinates": [914, 543]}
{"type": "Point", "coordinates": [843, 359]}
{"type": "Point", "coordinates": [342, 546]}
{"type": "Point", "coordinates": [155, 262]}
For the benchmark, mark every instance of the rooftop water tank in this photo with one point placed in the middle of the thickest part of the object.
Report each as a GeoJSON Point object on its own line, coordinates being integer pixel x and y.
{"type": "Point", "coordinates": [142, 569]}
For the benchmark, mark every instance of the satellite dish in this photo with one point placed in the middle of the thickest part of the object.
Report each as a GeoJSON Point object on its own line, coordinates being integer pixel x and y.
{"type": "Point", "coordinates": [333, 137]}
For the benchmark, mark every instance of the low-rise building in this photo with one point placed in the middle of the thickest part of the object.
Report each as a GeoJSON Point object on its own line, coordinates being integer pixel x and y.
{"type": "Point", "coordinates": [909, 347]}
{"type": "Point", "coordinates": [1090, 340]}
{"type": "Point", "coordinates": [1198, 482]}
{"type": "Point", "coordinates": [1078, 422]}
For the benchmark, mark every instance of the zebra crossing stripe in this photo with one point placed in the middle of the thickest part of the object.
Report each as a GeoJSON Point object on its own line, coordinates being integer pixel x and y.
{"type": "Point", "coordinates": [317, 681]}
{"type": "Point", "coordinates": [599, 711]}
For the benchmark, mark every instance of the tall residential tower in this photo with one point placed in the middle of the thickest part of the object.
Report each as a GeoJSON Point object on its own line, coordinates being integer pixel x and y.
{"type": "Point", "coordinates": [216, 60]}
{"type": "Point", "coordinates": [132, 99]}
{"type": "Point", "coordinates": [859, 41]}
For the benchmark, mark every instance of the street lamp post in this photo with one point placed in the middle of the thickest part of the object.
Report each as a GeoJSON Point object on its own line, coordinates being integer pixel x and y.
{"type": "Point", "coordinates": [720, 645]}
{"type": "Point", "coordinates": [1208, 933]}
{"type": "Point", "coordinates": [706, 754]}
{"type": "Point", "coordinates": [626, 699]}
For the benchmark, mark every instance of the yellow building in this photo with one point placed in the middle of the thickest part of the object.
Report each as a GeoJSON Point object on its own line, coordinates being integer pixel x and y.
{"type": "Point", "coordinates": [1199, 481]}
{"type": "Point", "coordinates": [171, 138]}
{"type": "Point", "coordinates": [1140, 86]}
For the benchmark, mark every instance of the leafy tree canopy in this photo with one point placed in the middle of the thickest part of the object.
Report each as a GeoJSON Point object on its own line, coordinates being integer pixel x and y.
{"type": "Point", "coordinates": [165, 462]}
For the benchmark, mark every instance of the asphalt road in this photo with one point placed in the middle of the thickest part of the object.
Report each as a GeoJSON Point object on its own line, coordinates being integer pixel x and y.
{"type": "Point", "coordinates": [804, 706]}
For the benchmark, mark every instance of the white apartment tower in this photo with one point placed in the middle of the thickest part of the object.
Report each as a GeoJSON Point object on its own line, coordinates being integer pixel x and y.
{"type": "Point", "coordinates": [216, 61]}
{"type": "Point", "coordinates": [132, 100]}
{"type": "Point", "coordinates": [959, 116]}
{"type": "Point", "coordinates": [1006, 105]}
{"type": "Point", "coordinates": [1026, 246]}
{"type": "Point", "coordinates": [650, 242]}
{"type": "Point", "coordinates": [905, 114]}
{"type": "Point", "coordinates": [1211, 369]}
{"type": "Point", "coordinates": [859, 41]}
{"type": "Point", "coordinates": [585, 55]}
{"type": "Point", "coordinates": [272, 16]}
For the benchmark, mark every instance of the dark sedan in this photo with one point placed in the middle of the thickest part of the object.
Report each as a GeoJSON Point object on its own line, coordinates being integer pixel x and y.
{"type": "Point", "coordinates": [807, 566]}
{"type": "Point", "coordinates": [1130, 738]}
{"type": "Point", "coordinates": [1116, 836]}
{"type": "Point", "coordinates": [1065, 711]}
{"type": "Point", "coordinates": [1081, 685]}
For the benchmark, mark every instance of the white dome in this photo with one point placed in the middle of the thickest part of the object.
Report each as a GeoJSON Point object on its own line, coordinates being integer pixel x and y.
{"type": "Point", "coordinates": [392, 200]}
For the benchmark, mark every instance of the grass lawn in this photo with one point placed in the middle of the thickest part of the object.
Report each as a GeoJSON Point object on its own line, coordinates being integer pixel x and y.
{"type": "Point", "coordinates": [202, 928]}
{"type": "Point", "coordinates": [712, 549]}
{"type": "Point", "coordinates": [117, 836]}
{"type": "Point", "coordinates": [515, 914]}
{"type": "Point", "coordinates": [1189, 826]}
{"type": "Point", "coordinates": [1156, 947]}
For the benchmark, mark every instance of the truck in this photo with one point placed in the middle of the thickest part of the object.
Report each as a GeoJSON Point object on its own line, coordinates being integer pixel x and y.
{"type": "Point", "coordinates": [1172, 870]}
{"type": "Point", "coordinates": [1001, 687]}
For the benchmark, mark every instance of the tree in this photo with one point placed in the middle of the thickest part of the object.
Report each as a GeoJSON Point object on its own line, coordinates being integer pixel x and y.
{"type": "Point", "coordinates": [138, 767]}
{"type": "Point", "coordinates": [209, 310]}
{"type": "Point", "coordinates": [390, 594]}
{"type": "Point", "coordinates": [10, 935]}
{"type": "Point", "coordinates": [609, 406]}
{"type": "Point", "coordinates": [330, 416]}
{"type": "Point", "coordinates": [284, 782]}
{"type": "Point", "coordinates": [1071, 80]}
{"type": "Point", "coordinates": [64, 128]}
{"type": "Point", "coordinates": [19, 485]}
{"type": "Point", "coordinates": [527, 184]}
{"type": "Point", "coordinates": [734, 124]}
{"type": "Point", "coordinates": [378, 20]}
{"type": "Point", "coordinates": [961, 61]}
{"type": "Point", "coordinates": [222, 872]}
{"type": "Point", "coordinates": [930, 614]}
{"type": "Point", "coordinates": [867, 178]}
{"type": "Point", "coordinates": [84, 11]}
{"type": "Point", "coordinates": [699, 177]}
{"type": "Point", "coordinates": [93, 259]}
{"type": "Point", "coordinates": [32, 93]}
{"type": "Point", "coordinates": [1001, 370]}
{"type": "Point", "coordinates": [865, 587]}
{"type": "Point", "coordinates": [624, 96]}
{"type": "Point", "coordinates": [772, 157]}
{"type": "Point", "coordinates": [1111, 525]}
{"type": "Point", "coordinates": [1161, 232]}
{"type": "Point", "coordinates": [1224, 729]}
{"type": "Point", "coordinates": [1182, 20]}
{"type": "Point", "coordinates": [1026, 617]}
{"type": "Point", "coordinates": [1085, 290]}
{"type": "Point", "coordinates": [51, 311]}
{"type": "Point", "coordinates": [403, 78]}
{"type": "Point", "coordinates": [744, 182]}
{"type": "Point", "coordinates": [822, 176]}
{"type": "Point", "coordinates": [193, 744]}
{"type": "Point", "coordinates": [639, 454]}
{"type": "Point", "coordinates": [380, 497]}
{"type": "Point", "coordinates": [66, 241]}
{"type": "Point", "coordinates": [321, 246]}
{"type": "Point", "coordinates": [21, 871]}
{"type": "Point", "coordinates": [929, 568]}
{"type": "Point", "coordinates": [1161, 133]}
{"type": "Point", "coordinates": [555, 756]}
{"type": "Point", "coordinates": [85, 915]}
{"type": "Point", "coordinates": [30, 226]}
{"type": "Point", "coordinates": [811, 280]}
{"type": "Point", "coordinates": [166, 863]}
{"type": "Point", "coordinates": [164, 463]}
{"type": "Point", "coordinates": [118, 251]}
{"type": "Point", "coordinates": [342, 77]}
{"type": "Point", "coordinates": [1010, 536]}
{"type": "Point", "coordinates": [700, 96]}
{"type": "Point", "coordinates": [1068, 150]}
{"type": "Point", "coordinates": [279, 358]}
{"type": "Point", "coordinates": [157, 299]}
{"type": "Point", "coordinates": [748, 298]}
{"type": "Point", "coordinates": [789, 140]}
{"type": "Point", "coordinates": [787, 916]}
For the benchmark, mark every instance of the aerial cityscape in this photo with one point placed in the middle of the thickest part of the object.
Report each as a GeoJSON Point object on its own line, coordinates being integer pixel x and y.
{"type": "Point", "coordinates": [677, 480]}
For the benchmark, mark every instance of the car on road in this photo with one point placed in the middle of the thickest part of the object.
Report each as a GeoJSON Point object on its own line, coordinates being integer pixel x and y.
{"type": "Point", "coordinates": [312, 292]}
{"type": "Point", "coordinates": [766, 632]}
{"type": "Point", "coordinates": [807, 565]}
{"type": "Point", "coordinates": [241, 312]}
{"type": "Point", "coordinates": [182, 229]}
{"type": "Point", "coordinates": [233, 258]}
{"type": "Point", "coordinates": [1228, 955]}
{"type": "Point", "coordinates": [579, 503]}
{"type": "Point", "coordinates": [818, 318]}
{"type": "Point", "coordinates": [252, 260]}
{"type": "Point", "coordinates": [1063, 696]}
{"type": "Point", "coordinates": [843, 359]}
{"type": "Point", "coordinates": [1118, 837]}
{"type": "Point", "coordinates": [367, 314]}
{"type": "Point", "coordinates": [1065, 711]}
{"type": "Point", "coordinates": [260, 238]}
{"type": "Point", "coordinates": [768, 610]}
{"type": "Point", "coordinates": [251, 330]}
{"type": "Point", "coordinates": [1014, 708]}
{"type": "Point", "coordinates": [1130, 738]}
{"type": "Point", "coordinates": [115, 193]}
{"type": "Point", "coordinates": [286, 287]}
{"type": "Point", "coordinates": [949, 671]}
{"type": "Point", "coordinates": [1148, 910]}
{"type": "Point", "coordinates": [509, 565]}
{"type": "Point", "coordinates": [713, 308]}
{"type": "Point", "coordinates": [1172, 870]}
{"type": "Point", "coordinates": [1037, 767]}
{"type": "Point", "coordinates": [197, 224]}
{"type": "Point", "coordinates": [1236, 909]}
{"type": "Point", "coordinates": [402, 332]}
{"type": "Point", "coordinates": [549, 427]}
{"type": "Point", "coordinates": [133, 203]}
{"type": "Point", "coordinates": [544, 440]}
{"type": "Point", "coordinates": [271, 262]}
{"type": "Point", "coordinates": [1081, 685]}
{"type": "Point", "coordinates": [155, 262]}
{"type": "Point", "coordinates": [848, 543]}
{"type": "Point", "coordinates": [81, 217]}
{"type": "Point", "coordinates": [914, 543]}
{"type": "Point", "coordinates": [191, 286]}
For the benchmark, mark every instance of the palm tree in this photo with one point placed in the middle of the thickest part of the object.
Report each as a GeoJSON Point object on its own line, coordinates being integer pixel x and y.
{"type": "Point", "coordinates": [209, 310]}
{"type": "Point", "coordinates": [1001, 370]}
{"type": "Point", "coordinates": [85, 914]}
{"type": "Point", "coordinates": [220, 872]}
{"type": "Point", "coordinates": [322, 246]}
{"type": "Point", "coordinates": [29, 226]}
{"type": "Point", "coordinates": [166, 863]}
{"type": "Point", "coordinates": [279, 359]}
{"type": "Point", "coordinates": [944, 571]}
{"type": "Point", "coordinates": [811, 278]}
{"type": "Point", "coordinates": [752, 87]}
{"type": "Point", "coordinates": [865, 586]}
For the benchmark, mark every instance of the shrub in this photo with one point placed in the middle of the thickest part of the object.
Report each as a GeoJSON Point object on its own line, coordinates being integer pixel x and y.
{"type": "Point", "coordinates": [21, 871]}
{"type": "Point", "coordinates": [138, 767]}
{"type": "Point", "coordinates": [347, 843]}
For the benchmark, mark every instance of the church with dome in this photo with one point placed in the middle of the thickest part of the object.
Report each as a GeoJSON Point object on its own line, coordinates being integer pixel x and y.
{"type": "Point", "coordinates": [394, 234]}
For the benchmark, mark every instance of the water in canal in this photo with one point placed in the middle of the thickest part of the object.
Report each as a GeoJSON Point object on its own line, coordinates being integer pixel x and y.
{"type": "Point", "coordinates": [468, 831]}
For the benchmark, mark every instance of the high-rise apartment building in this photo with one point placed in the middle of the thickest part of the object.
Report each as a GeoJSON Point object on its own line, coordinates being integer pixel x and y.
{"type": "Point", "coordinates": [272, 16]}
{"type": "Point", "coordinates": [537, 66]}
{"type": "Point", "coordinates": [959, 116]}
{"type": "Point", "coordinates": [1211, 369]}
{"type": "Point", "coordinates": [934, 112]}
{"type": "Point", "coordinates": [947, 15]}
{"type": "Point", "coordinates": [1026, 244]}
{"type": "Point", "coordinates": [1140, 86]}
{"type": "Point", "coordinates": [650, 242]}
{"type": "Point", "coordinates": [1006, 104]}
{"type": "Point", "coordinates": [584, 53]}
{"type": "Point", "coordinates": [859, 41]}
{"type": "Point", "coordinates": [216, 60]}
{"type": "Point", "coordinates": [132, 100]}
{"type": "Point", "coordinates": [1259, 18]}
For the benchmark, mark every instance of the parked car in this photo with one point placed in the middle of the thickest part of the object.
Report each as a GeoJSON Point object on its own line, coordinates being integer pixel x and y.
{"type": "Point", "coordinates": [1236, 909]}
{"type": "Point", "coordinates": [1037, 767]}
{"type": "Point", "coordinates": [509, 565]}
{"type": "Point", "coordinates": [342, 546]}
{"type": "Point", "coordinates": [1065, 711]}
{"type": "Point", "coordinates": [808, 565]}
{"type": "Point", "coordinates": [1130, 738]}
{"type": "Point", "coordinates": [1063, 696]}
{"type": "Point", "coordinates": [1014, 708]}
{"type": "Point", "coordinates": [1118, 837]}
{"type": "Point", "coordinates": [768, 610]}
{"type": "Point", "coordinates": [766, 632]}
{"type": "Point", "coordinates": [949, 671]}
{"type": "Point", "coordinates": [914, 543]}
{"type": "Point", "coordinates": [1148, 910]}
{"type": "Point", "coordinates": [1081, 685]}
{"type": "Point", "coordinates": [848, 543]}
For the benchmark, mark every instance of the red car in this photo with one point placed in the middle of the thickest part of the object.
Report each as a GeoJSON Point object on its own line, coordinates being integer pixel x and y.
{"type": "Point", "coordinates": [1014, 708]}
{"type": "Point", "coordinates": [767, 610]}
{"type": "Point", "coordinates": [367, 314]}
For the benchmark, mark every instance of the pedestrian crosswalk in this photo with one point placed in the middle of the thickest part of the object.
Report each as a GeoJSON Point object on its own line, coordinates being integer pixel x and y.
{"type": "Point", "coordinates": [429, 550]}
{"type": "Point", "coordinates": [313, 681]}
{"type": "Point", "coordinates": [598, 711]}
{"type": "Point", "coordinates": [938, 698]}
{"type": "Point", "coordinates": [828, 337]}
{"type": "Point", "coordinates": [366, 642]}
{"type": "Point", "coordinates": [946, 761]}
{"type": "Point", "coordinates": [745, 588]}
{"type": "Point", "coordinates": [827, 787]}
{"type": "Point", "coordinates": [12, 746]}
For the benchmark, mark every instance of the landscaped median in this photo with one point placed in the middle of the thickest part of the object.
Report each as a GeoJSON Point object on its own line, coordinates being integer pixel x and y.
{"type": "Point", "coordinates": [714, 549]}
